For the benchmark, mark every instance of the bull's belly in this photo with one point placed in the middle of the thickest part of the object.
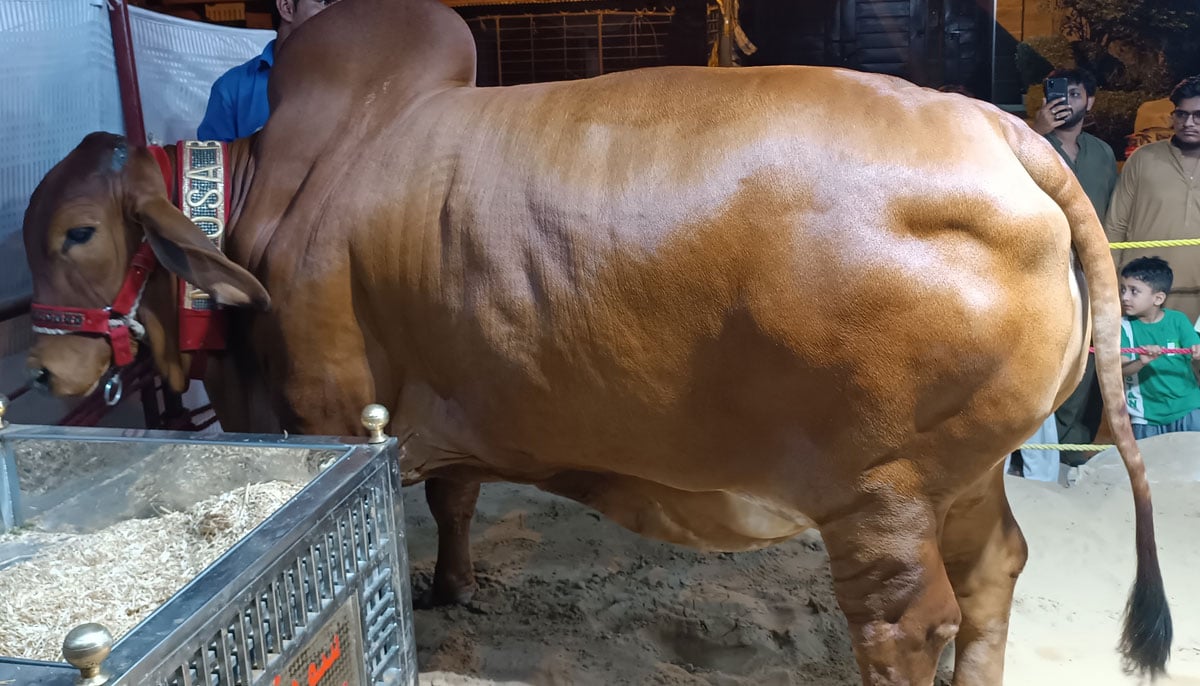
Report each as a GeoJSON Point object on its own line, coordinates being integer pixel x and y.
{"type": "Point", "coordinates": [720, 521]}
{"type": "Point", "coordinates": [440, 443]}
{"type": "Point", "coordinates": [713, 479]}
{"type": "Point", "coordinates": [704, 520]}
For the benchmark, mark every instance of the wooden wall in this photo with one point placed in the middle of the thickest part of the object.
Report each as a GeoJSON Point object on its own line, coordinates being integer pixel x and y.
{"type": "Point", "coordinates": [1025, 18]}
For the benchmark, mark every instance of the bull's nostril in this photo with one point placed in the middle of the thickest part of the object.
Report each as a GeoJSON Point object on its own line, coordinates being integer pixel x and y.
{"type": "Point", "coordinates": [40, 377]}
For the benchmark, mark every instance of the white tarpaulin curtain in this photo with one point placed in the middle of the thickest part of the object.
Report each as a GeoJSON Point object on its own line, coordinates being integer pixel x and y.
{"type": "Point", "coordinates": [177, 62]}
{"type": "Point", "coordinates": [59, 83]}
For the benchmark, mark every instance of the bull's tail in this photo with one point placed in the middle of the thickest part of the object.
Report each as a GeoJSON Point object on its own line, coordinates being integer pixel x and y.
{"type": "Point", "coordinates": [1146, 640]}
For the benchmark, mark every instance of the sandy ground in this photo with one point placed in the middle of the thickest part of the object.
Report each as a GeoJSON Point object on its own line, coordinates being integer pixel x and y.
{"type": "Point", "coordinates": [1066, 617]}
{"type": "Point", "coordinates": [567, 597]}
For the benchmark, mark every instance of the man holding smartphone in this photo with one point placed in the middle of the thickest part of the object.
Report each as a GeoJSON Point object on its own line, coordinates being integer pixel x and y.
{"type": "Point", "coordinates": [1070, 95]}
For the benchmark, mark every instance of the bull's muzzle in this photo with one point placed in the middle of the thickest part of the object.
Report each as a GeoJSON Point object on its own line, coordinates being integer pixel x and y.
{"type": "Point", "coordinates": [39, 378]}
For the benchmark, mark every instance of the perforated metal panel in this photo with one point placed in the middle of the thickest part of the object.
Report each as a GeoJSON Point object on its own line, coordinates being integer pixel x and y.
{"type": "Point", "coordinates": [336, 601]}
{"type": "Point", "coordinates": [318, 593]}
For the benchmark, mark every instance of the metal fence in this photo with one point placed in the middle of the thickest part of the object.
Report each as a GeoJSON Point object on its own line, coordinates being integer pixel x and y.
{"type": "Point", "coordinates": [530, 48]}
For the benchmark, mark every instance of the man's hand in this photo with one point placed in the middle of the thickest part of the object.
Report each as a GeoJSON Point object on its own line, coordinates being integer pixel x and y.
{"type": "Point", "coordinates": [1153, 351]}
{"type": "Point", "coordinates": [1196, 353]}
{"type": "Point", "coordinates": [1051, 115]}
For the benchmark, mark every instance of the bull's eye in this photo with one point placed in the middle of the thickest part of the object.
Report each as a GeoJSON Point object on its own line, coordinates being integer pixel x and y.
{"type": "Point", "coordinates": [78, 236]}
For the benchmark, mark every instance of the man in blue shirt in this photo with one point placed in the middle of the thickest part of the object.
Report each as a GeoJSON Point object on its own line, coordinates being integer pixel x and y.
{"type": "Point", "coordinates": [237, 104]}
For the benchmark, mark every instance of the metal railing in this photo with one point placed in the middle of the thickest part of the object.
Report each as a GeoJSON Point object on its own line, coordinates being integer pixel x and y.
{"type": "Point", "coordinates": [320, 586]}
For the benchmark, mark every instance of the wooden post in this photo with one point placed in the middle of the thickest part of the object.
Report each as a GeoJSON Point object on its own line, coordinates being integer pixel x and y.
{"type": "Point", "coordinates": [600, 40]}
{"type": "Point", "coordinates": [135, 133]}
{"type": "Point", "coordinates": [131, 98]}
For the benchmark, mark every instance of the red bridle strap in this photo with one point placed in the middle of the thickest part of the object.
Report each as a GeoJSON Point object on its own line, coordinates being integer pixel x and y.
{"type": "Point", "coordinates": [116, 323]}
{"type": "Point", "coordinates": [164, 166]}
{"type": "Point", "coordinates": [199, 190]}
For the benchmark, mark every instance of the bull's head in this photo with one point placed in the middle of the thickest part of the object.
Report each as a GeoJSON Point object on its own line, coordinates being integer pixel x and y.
{"type": "Point", "coordinates": [84, 227]}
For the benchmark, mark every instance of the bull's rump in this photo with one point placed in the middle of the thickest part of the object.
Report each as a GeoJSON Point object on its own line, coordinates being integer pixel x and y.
{"type": "Point", "coordinates": [694, 277]}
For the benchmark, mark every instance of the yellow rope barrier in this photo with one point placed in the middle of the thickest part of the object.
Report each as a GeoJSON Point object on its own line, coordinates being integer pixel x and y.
{"type": "Point", "coordinates": [1154, 244]}
{"type": "Point", "coordinates": [1080, 447]}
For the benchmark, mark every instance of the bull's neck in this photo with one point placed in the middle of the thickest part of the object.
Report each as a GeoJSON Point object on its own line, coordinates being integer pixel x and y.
{"type": "Point", "coordinates": [241, 174]}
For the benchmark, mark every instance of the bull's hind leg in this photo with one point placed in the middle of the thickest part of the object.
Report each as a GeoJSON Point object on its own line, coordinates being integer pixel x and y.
{"type": "Point", "coordinates": [891, 584]}
{"type": "Point", "coordinates": [984, 552]}
{"type": "Point", "coordinates": [452, 503]}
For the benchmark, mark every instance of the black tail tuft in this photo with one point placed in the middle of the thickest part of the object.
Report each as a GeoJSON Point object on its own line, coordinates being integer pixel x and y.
{"type": "Point", "coordinates": [1146, 641]}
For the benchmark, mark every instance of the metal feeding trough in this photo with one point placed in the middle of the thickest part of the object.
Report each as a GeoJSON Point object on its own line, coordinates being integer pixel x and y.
{"type": "Point", "coordinates": [316, 594]}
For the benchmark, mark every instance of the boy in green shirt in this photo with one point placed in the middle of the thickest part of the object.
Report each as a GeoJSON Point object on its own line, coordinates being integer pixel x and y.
{"type": "Point", "coordinates": [1161, 390]}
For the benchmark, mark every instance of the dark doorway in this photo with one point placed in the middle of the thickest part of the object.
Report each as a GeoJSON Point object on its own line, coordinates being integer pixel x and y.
{"type": "Point", "coordinates": [930, 42]}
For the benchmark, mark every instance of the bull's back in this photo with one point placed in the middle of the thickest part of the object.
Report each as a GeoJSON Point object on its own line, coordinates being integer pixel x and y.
{"type": "Point", "coordinates": [792, 269]}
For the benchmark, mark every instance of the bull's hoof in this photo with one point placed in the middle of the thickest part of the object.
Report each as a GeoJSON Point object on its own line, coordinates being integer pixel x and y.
{"type": "Point", "coordinates": [452, 594]}
{"type": "Point", "coordinates": [431, 599]}
{"type": "Point", "coordinates": [430, 591]}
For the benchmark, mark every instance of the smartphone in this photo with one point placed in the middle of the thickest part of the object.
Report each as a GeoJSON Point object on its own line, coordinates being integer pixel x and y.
{"type": "Point", "coordinates": [1056, 88]}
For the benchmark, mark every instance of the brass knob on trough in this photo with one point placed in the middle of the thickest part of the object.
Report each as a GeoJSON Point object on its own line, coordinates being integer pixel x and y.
{"type": "Point", "coordinates": [375, 419]}
{"type": "Point", "coordinates": [85, 647]}
{"type": "Point", "coordinates": [3, 410]}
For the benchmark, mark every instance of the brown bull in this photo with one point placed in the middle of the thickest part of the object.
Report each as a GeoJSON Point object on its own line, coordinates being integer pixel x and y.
{"type": "Point", "coordinates": [720, 306]}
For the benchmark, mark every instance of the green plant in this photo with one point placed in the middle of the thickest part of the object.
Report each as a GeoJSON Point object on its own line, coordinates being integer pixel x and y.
{"type": "Point", "coordinates": [1145, 25]}
{"type": "Point", "coordinates": [1156, 37]}
{"type": "Point", "coordinates": [1145, 76]}
{"type": "Point", "coordinates": [1037, 55]}
{"type": "Point", "coordinates": [1108, 70]}
{"type": "Point", "coordinates": [1182, 57]}
{"type": "Point", "coordinates": [1112, 116]}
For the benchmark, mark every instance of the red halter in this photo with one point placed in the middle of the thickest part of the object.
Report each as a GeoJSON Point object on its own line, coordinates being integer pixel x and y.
{"type": "Point", "coordinates": [116, 322]}
{"type": "Point", "coordinates": [199, 329]}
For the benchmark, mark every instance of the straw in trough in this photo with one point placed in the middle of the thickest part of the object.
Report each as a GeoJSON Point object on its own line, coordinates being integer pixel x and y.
{"type": "Point", "coordinates": [118, 575]}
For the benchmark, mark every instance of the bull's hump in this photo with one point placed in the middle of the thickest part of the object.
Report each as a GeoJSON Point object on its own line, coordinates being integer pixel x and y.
{"type": "Point", "coordinates": [418, 45]}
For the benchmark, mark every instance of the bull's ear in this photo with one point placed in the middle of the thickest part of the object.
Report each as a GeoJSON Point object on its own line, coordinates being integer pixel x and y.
{"type": "Point", "coordinates": [183, 249]}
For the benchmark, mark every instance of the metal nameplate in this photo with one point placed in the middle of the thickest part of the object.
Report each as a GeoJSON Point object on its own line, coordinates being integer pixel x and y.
{"type": "Point", "coordinates": [333, 656]}
{"type": "Point", "coordinates": [202, 200]}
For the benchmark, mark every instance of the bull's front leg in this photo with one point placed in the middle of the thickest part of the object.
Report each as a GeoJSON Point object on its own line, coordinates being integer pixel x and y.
{"type": "Point", "coordinates": [331, 404]}
{"type": "Point", "coordinates": [325, 391]}
{"type": "Point", "coordinates": [239, 395]}
{"type": "Point", "coordinates": [452, 503]}
{"type": "Point", "coordinates": [322, 394]}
